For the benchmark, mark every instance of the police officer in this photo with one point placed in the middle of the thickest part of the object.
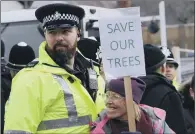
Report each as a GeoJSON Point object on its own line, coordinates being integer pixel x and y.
{"type": "Point", "coordinates": [50, 95]}
{"type": "Point", "coordinates": [171, 67]}
{"type": "Point", "coordinates": [171, 70]}
{"type": "Point", "coordinates": [90, 73]}
{"type": "Point", "coordinates": [90, 48]}
{"type": "Point", "coordinates": [20, 55]}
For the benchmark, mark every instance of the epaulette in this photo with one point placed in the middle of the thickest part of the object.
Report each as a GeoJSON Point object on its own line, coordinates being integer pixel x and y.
{"type": "Point", "coordinates": [32, 63]}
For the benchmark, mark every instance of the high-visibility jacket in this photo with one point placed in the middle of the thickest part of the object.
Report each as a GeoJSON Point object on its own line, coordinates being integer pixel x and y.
{"type": "Point", "coordinates": [175, 83]}
{"type": "Point", "coordinates": [48, 99]}
{"type": "Point", "coordinates": [100, 102]}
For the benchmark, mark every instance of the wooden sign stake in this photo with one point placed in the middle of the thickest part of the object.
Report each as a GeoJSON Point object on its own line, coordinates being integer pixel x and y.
{"type": "Point", "coordinates": [129, 103]}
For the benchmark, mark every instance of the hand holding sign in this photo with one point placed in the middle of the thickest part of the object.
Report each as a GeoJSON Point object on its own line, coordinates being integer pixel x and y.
{"type": "Point", "coordinates": [122, 52]}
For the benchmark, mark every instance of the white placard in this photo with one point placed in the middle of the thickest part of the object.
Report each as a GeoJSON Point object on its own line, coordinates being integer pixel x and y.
{"type": "Point", "coordinates": [122, 45]}
{"type": "Point", "coordinates": [105, 12]}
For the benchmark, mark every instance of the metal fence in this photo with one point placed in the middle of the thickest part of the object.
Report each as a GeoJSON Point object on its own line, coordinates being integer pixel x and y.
{"type": "Point", "coordinates": [185, 58]}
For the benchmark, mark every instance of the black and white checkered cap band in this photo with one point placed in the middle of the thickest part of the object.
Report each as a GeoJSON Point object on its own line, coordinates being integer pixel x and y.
{"type": "Point", "coordinates": [59, 16]}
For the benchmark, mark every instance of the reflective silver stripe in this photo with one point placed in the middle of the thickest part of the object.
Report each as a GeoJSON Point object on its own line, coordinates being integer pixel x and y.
{"type": "Point", "coordinates": [68, 97]}
{"type": "Point", "coordinates": [16, 132]}
{"type": "Point", "coordinates": [62, 123]}
{"type": "Point", "coordinates": [73, 119]}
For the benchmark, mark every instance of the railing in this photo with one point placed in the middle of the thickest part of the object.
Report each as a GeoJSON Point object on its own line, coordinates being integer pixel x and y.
{"type": "Point", "coordinates": [186, 63]}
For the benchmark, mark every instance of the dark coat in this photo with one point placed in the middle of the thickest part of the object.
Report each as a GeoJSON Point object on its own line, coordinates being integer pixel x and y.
{"type": "Point", "coordinates": [162, 94]}
{"type": "Point", "coordinates": [5, 90]}
{"type": "Point", "coordinates": [188, 104]}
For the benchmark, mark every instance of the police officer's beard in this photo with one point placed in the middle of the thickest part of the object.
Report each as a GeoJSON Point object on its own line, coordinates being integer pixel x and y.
{"type": "Point", "coordinates": [63, 57]}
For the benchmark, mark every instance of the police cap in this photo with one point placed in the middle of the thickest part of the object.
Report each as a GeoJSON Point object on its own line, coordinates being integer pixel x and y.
{"type": "Point", "coordinates": [90, 49]}
{"type": "Point", "coordinates": [170, 58]}
{"type": "Point", "coordinates": [59, 15]}
{"type": "Point", "coordinates": [20, 55]}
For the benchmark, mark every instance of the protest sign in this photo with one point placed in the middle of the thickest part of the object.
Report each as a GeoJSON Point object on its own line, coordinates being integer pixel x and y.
{"type": "Point", "coordinates": [122, 51]}
{"type": "Point", "coordinates": [122, 46]}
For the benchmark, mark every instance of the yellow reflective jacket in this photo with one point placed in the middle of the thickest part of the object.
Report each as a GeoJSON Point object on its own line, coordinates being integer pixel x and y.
{"type": "Point", "coordinates": [100, 103]}
{"type": "Point", "coordinates": [47, 99]}
{"type": "Point", "coordinates": [175, 83]}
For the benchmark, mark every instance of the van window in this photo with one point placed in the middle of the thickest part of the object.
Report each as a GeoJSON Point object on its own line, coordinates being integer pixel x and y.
{"type": "Point", "coordinates": [13, 33]}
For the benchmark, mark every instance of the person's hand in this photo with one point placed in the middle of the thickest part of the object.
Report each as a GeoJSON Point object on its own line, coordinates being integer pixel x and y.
{"type": "Point", "coordinates": [131, 133]}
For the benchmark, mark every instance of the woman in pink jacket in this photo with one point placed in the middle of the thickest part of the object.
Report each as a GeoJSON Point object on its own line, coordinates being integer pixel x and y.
{"type": "Point", "coordinates": [113, 120]}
